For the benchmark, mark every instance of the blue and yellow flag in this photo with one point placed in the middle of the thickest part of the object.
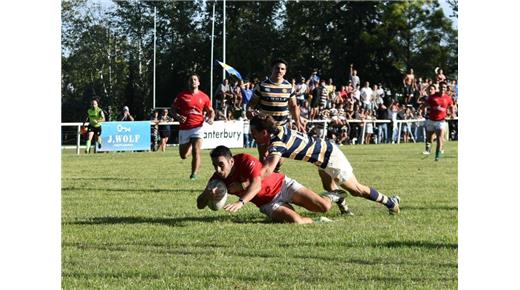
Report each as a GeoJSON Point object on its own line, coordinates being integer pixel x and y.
{"type": "Point", "coordinates": [230, 70]}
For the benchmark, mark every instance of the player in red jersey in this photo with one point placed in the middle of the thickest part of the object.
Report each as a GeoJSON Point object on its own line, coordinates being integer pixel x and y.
{"type": "Point", "coordinates": [438, 104]}
{"type": "Point", "coordinates": [188, 108]}
{"type": "Point", "coordinates": [273, 195]}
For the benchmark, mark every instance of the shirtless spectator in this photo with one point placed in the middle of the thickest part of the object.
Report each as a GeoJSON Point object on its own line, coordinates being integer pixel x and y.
{"type": "Point", "coordinates": [409, 86]}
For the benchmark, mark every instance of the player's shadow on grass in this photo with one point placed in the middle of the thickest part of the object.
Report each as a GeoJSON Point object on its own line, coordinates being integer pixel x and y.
{"type": "Point", "coordinates": [169, 221]}
{"type": "Point", "coordinates": [440, 207]}
{"type": "Point", "coordinates": [419, 244]}
{"type": "Point", "coordinates": [182, 190]}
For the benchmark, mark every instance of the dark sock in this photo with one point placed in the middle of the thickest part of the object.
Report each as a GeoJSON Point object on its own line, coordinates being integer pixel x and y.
{"type": "Point", "coordinates": [381, 198]}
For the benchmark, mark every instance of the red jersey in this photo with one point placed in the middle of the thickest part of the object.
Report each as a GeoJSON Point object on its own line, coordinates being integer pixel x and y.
{"type": "Point", "coordinates": [192, 107]}
{"type": "Point", "coordinates": [438, 106]}
{"type": "Point", "coordinates": [246, 167]}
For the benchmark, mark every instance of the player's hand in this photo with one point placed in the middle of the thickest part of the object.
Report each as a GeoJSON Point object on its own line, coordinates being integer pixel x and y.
{"type": "Point", "coordinates": [301, 128]}
{"type": "Point", "coordinates": [181, 119]}
{"type": "Point", "coordinates": [250, 114]}
{"type": "Point", "coordinates": [233, 207]}
{"type": "Point", "coordinates": [210, 121]}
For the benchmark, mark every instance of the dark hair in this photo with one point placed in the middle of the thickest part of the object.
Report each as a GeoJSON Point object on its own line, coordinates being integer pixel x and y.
{"type": "Point", "coordinates": [279, 60]}
{"type": "Point", "coordinates": [189, 78]}
{"type": "Point", "coordinates": [221, 151]}
{"type": "Point", "coordinates": [263, 122]}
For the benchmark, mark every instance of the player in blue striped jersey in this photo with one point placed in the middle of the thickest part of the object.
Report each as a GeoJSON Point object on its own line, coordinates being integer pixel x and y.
{"type": "Point", "coordinates": [276, 97]}
{"type": "Point", "coordinates": [333, 166]}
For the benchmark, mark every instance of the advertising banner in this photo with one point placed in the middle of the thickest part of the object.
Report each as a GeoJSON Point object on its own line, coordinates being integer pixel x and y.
{"type": "Point", "coordinates": [125, 136]}
{"type": "Point", "coordinates": [228, 133]}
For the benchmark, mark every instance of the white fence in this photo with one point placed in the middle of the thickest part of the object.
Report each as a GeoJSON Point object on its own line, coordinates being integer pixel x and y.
{"type": "Point", "coordinates": [398, 123]}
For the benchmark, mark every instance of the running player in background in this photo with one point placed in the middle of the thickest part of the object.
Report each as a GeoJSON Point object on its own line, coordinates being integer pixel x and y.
{"type": "Point", "coordinates": [95, 117]}
{"type": "Point", "coordinates": [273, 195]}
{"type": "Point", "coordinates": [438, 105]}
{"type": "Point", "coordinates": [276, 97]}
{"type": "Point", "coordinates": [333, 166]}
{"type": "Point", "coordinates": [190, 107]}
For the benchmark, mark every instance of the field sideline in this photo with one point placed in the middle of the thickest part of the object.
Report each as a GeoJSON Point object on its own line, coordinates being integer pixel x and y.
{"type": "Point", "coordinates": [129, 220]}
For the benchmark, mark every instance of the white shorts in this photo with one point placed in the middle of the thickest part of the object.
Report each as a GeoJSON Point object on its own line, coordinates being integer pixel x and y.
{"type": "Point", "coordinates": [289, 187]}
{"type": "Point", "coordinates": [434, 125]}
{"type": "Point", "coordinates": [338, 168]}
{"type": "Point", "coordinates": [186, 135]}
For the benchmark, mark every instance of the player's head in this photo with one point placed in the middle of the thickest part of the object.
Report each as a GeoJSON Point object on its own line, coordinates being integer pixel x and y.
{"type": "Point", "coordinates": [94, 103]}
{"type": "Point", "coordinates": [222, 160]}
{"type": "Point", "coordinates": [262, 126]}
{"type": "Point", "coordinates": [279, 67]}
{"type": "Point", "coordinates": [443, 86]}
{"type": "Point", "coordinates": [194, 81]}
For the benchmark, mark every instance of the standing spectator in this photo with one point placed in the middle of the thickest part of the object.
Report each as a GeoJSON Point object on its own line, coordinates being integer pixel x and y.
{"type": "Point", "coordinates": [95, 117]}
{"type": "Point", "coordinates": [237, 95]}
{"type": "Point", "coordinates": [353, 77]}
{"type": "Point", "coordinates": [301, 90]}
{"type": "Point", "coordinates": [126, 116]}
{"type": "Point", "coordinates": [393, 112]}
{"type": "Point", "coordinates": [369, 130]}
{"type": "Point", "coordinates": [315, 102]}
{"type": "Point", "coordinates": [382, 128]}
{"type": "Point", "coordinates": [314, 78]}
{"type": "Point", "coordinates": [366, 95]}
{"type": "Point", "coordinates": [247, 94]}
{"type": "Point", "coordinates": [439, 75]}
{"type": "Point", "coordinates": [438, 104]}
{"type": "Point", "coordinates": [380, 91]}
{"type": "Point", "coordinates": [419, 125]}
{"type": "Point", "coordinates": [375, 99]}
{"type": "Point", "coordinates": [164, 129]}
{"type": "Point", "coordinates": [223, 94]}
{"type": "Point", "coordinates": [356, 94]}
{"type": "Point", "coordinates": [409, 86]}
{"type": "Point", "coordinates": [188, 108]}
{"type": "Point", "coordinates": [407, 127]}
{"type": "Point", "coordinates": [154, 138]}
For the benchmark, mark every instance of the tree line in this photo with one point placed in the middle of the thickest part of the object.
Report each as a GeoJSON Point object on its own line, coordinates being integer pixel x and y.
{"type": "Point", "coordinates": [107, 50]}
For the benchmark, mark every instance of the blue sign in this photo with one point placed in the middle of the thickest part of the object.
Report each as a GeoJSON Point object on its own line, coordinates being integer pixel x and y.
{"type": "Point", "coordinates": [125, 136]}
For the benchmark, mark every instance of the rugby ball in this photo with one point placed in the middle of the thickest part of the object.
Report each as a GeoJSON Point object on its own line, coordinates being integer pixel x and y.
{"type": "Point", "coordinates": [218, 202]}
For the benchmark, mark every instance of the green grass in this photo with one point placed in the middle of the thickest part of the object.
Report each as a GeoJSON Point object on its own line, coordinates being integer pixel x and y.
{"type": "Point", "coordinates": [129, 221]}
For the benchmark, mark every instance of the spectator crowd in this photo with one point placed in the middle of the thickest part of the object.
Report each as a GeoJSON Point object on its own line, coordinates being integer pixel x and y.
{"type": "Point", "coordinates": [344, 107]}
{"type": "Point", "coordinates": [348, 109]}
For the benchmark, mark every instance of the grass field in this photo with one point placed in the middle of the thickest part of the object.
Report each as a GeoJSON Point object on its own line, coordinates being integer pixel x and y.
{"type": "Point", "coordinates": [129, 220]}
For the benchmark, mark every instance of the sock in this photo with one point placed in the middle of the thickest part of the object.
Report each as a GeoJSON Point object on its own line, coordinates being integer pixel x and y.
{"type": "Point", "coordinates": [381, 198]}
{"type": "Point", "coordinates": [428, 146]}
{"type": "Point", "coordinates": [88, 146]}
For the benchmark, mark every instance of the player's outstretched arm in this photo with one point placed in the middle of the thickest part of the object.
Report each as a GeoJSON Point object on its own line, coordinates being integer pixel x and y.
{"type": "Point", "coordinates": [270, 163]}
{"type": "Point", "coordinates": [251, 191]}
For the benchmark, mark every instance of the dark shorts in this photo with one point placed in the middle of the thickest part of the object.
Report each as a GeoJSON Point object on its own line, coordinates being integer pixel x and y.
{"type": "Point", "coordinates": [164, 131]}
{"type": "Point", "coordinates": [315, 102]}
{"type": "Point", "coordinates": [96, 130]}
{"type": "Point", "coordinates": [408, 90]}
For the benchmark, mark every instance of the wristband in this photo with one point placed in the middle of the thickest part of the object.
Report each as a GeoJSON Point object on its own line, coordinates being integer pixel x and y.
{"type": "Point", "coordinates": [242, 201]}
